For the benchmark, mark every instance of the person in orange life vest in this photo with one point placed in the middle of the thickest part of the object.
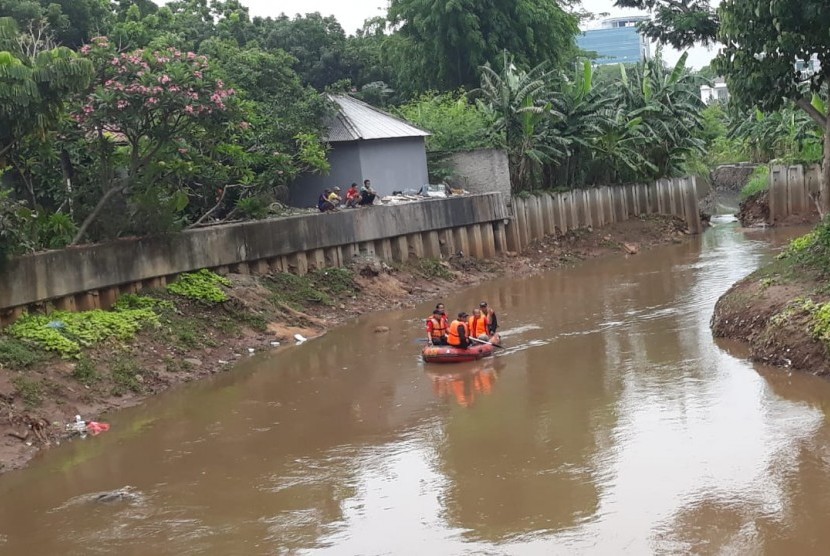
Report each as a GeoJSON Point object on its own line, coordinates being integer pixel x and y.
{"type": "Point", "coordinates": [440, 307]}
{"type": "Point", "coordinates": [477, 326]}
{"type": "Point", "coordinates": [436, 329]}
{"type": "Point", "coordinates": [458, 335]}
{"type": "Point", "coordinates": [492, 320]}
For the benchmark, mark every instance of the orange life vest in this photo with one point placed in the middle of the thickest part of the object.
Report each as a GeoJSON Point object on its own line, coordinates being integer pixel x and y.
{"type": "Point", "coordinates": [477, 326]}
{"type": "Point", "coordinates": [453, 337]}
{"type": "Point", "coordinates": [439, 328]}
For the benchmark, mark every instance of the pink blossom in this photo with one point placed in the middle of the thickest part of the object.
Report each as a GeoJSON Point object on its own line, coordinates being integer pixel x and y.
{"type": "Point", "coordinates": [164, 79]}
{"type": "Point", "coordinates": [122, 104]}
{"type": "Point", "coordinates": [245, 125]}
{"type": "Point", "coordinates": [198, 74]}
{"type": "Point", "coordinates": [191, 55]}
{"type": "Point", "coordinates": [189, 109]}
{"type": "Point", "coordinates": [152, 100]}
{"type": "Point", "coordinates": [86, 49]}
{"type": "Point", "coordinates": [88, 109]}
{"type": "Point", "coordinates": [182, 150]}
{"type": "Point", "coordinates": [114, 61]}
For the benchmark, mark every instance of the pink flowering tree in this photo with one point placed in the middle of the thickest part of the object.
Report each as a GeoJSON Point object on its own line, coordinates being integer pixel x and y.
{"type": "Point", "coordinates": [144, 107]}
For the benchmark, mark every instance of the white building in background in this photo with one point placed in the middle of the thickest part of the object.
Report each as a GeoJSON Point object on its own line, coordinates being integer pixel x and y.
{"type": "Point", "coordinates": [717, 92]}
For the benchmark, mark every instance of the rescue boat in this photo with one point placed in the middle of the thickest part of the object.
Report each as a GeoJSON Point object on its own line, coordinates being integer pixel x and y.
{"type": "Point", "coordinates": [450, 354]}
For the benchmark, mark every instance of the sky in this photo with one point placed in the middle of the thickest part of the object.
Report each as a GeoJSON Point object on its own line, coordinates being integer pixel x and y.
{"type": "Point", "coordinates": [352, 13]}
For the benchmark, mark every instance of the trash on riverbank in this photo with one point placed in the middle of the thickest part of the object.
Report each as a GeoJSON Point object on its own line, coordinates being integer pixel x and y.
{"type": "Point", "coordinates": [83, 428]}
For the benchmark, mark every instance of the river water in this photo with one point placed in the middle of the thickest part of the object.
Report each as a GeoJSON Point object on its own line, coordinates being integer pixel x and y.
{"type": "Point", "coordinates": [611, 424]}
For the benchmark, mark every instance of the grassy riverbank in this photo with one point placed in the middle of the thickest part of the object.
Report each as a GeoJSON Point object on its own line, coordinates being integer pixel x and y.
{"type": "Point", "coordinates": [783, 310]}
{"type": "Point", "coordinates": [54, 367]}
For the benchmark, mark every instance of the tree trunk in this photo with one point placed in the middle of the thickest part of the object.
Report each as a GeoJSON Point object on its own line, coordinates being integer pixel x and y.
{"type": "Point", "coordinates": [825, 172]}
{"type": "Point", "coordinates": [95, 212]}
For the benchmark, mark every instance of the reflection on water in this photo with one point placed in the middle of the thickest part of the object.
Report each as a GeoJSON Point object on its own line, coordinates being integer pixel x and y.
{"type": "Point", "coordinates": [465, 385]}
{"type": "Point", "coordinates": [611, 424]}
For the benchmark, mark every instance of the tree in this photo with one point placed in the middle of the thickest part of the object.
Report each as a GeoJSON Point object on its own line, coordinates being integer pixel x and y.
{"type": "Point", "coordinates": [152, 101]}
{"type": "Point", "coordinates": [680, 23]}
{"type": "Point", "coordinates": [762, 43]}
{"type": "Point", "coordinates": [72, 21]}
{"type": "Point", "coordinates": [455, 123]}
{"type": "Point", "coordinates": [317, 43]}
{"type": "Point", "coordinates": [448, 41]}
{"type": "Point", "coordinates": [519, 103]}
{"type": "Point", "coordinates": [34, 90]}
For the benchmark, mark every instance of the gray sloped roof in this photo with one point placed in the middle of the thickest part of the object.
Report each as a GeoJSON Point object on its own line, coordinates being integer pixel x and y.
{"type": "Point", "coordinates": [357, 120]}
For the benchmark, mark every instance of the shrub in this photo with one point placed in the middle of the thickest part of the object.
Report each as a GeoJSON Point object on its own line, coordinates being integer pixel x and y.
{"type": "Point", "coordinates": [758, 181]}
{"type": "Point", "coordinates": [66, 333]}
{"type": "Point", "coordinates": [15, 354]}
{"type": "Point", "coordinates": [201, 286]}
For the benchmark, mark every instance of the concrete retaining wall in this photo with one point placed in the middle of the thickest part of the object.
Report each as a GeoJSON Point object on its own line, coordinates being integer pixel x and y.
{"type": "Point", "coordinates": [540, 215]}
{"type": "Point", "coordinates": [480, 226]}
{"type": "Point", "coordinates": [790, 190]}
{"type": "Point", "coordinates": [94, 276]}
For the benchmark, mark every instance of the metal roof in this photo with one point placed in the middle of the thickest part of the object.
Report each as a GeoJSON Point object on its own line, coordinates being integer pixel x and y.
{"type": "Point", "coordinates": [357, 121]}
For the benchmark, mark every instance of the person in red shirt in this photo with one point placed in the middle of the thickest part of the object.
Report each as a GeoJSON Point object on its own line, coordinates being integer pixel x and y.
{"type": "Point", "coordinates": [353, 196]}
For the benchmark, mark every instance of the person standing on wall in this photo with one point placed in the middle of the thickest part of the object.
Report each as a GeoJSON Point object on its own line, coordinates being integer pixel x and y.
{"type": "Point", "coordinates": [367, 194]}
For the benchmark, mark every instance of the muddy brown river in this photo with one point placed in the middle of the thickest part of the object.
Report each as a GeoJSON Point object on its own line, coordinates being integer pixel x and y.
{"type": "Point", "coordinates": [612, 424]}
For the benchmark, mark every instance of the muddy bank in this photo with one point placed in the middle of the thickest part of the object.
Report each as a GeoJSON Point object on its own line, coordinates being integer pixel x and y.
{"type": "Point", "coordinates": [190, 338]}
{"type": "Point", "coordinates": [753, 212]}
{"type": "Point", "coordinates": [782, 311]}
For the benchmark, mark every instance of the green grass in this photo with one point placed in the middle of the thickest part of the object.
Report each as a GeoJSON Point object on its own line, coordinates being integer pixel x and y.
{"type": "Point", "coordinates": [126, 376]}
{"type": "Point", "coordinates": [16, 354]}
{"type": "Point", "coordinates": [30, 390]}
{"type": "Point", "coordinates": [320, 287]}
{"type": "Point", "coordinates": [85, 371]}
{"type": "Point", "coordinates": [433, 268]}
{"type": "Point", "coordinates": [758, 181]}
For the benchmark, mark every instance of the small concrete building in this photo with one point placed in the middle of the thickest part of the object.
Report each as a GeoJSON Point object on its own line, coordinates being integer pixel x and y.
{"type": "Point", "coordinates": [366, 143]}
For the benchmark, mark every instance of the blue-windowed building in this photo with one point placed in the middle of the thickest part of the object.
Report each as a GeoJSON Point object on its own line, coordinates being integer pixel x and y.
{"type": "Point", "coordinates": [617, 41]}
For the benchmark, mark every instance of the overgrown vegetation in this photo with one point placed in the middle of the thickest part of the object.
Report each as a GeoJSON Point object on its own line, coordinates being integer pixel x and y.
{"type": "Point", "coordinates": [15, 354]}
{"type": "Point", "coordinates": [204, 286]}
{"type": "Point", "coordinates": [758, 182]}
{"type": "Point", "coordinates": [433, 268]}
{"type": "Point", "coordinates": [126, 376]}
{"type": "Point", "coordinates": [66, 333]}
{"type": "Point", "coordinates": [319, 287]}
{"type": "Point", "coordinates": [29, 389]}
{"type": "Point", "coordinates": [811, 251]}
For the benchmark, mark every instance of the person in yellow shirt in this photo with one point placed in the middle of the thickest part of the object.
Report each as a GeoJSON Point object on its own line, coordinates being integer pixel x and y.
{"type": "Point", "coordinates": [334, 197]}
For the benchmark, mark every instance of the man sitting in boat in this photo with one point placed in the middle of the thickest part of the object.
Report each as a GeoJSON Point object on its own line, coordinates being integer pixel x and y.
{"type": "Point", "coordinates": [477, 326]}
{"type": "Point", "coordinates": [437, 328]}
{"type": "Point", "coordinates": [458, 335]}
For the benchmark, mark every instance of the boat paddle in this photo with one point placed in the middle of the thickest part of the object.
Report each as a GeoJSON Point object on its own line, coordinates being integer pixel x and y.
{"type": "Point", "coordinates": [486, 343]}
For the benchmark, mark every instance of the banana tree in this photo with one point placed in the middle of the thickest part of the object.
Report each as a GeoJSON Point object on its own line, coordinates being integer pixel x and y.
{"type": "Point", "coordinates": [521, 107]}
